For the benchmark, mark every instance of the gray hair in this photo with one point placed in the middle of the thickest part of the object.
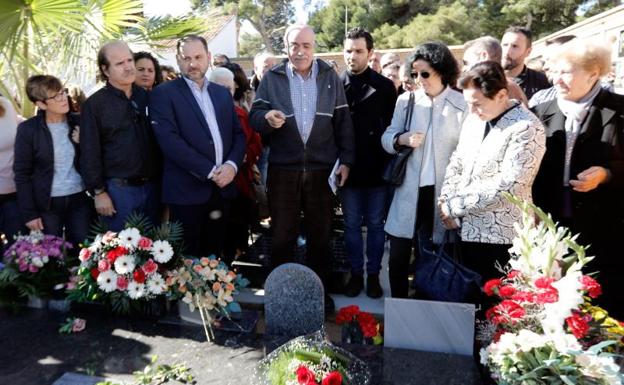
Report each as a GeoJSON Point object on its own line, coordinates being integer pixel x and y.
{"type": "Point", "coordinates": [489, 44]}
{"type": "Point", "coordinates": [221, 74]}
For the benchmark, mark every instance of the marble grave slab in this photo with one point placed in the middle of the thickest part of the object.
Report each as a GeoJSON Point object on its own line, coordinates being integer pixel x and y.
{"type": "Point", "coordinates": [430, 326]}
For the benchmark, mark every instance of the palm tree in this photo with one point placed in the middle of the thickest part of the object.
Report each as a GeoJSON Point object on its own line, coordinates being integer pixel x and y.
{"type": "Point", "coordinates": [61, 37]}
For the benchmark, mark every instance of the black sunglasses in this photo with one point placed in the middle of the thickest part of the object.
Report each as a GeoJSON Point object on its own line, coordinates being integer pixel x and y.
{"type": "Point", "coordinates": [423, 74]}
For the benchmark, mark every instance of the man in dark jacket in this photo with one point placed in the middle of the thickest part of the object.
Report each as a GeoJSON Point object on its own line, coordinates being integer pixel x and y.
{"type": "Point", "coordinates": [371, 99]}
{"type": "Point", "coordinates": [516, 43]}
{"type": "Point", "coordinates": [301, 106]}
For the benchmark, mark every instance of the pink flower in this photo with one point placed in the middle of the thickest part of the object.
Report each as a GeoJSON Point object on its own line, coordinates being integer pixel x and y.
{"type": "Point", "coordinates": [33, 268]}
{"type": "Point", "coordinates": [84, 255]}
{"type": "Point", "coordinates": [197, 268]}
{"type": "Point", "coordinates": [78, 325]}
{"type": "Point", "coordinates": [145, 243]}
{"type": "Point", "coordinates": [513, 274]}
{"type": "Point", "coordinates": [122, 282]}
{"type": "Point", "coordinates": [204, 261]}
{"type": "Point", "coordinates": [103, 265]}
{"type": "Point", "coordinates": [150, 266]}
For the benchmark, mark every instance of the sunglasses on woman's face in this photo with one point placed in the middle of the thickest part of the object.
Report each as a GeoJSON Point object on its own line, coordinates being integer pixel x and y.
{"type": "Point", "coordinates": [423, 74]}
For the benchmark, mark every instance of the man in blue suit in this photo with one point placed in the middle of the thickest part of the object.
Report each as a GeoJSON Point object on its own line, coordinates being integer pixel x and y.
{"type": "Point", "coordinates": [203, 145]}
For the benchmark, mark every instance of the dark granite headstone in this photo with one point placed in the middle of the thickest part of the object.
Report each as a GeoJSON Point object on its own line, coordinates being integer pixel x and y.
{"type": "Point", "coordinates": [293, 303]}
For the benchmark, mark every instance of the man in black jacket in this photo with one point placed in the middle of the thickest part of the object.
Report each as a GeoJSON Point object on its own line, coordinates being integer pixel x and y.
{"type": "Point", "coordinates": [120, 160]}
{"type": "Point", "coordinates": [516, 43]}
{"type": "Point", "coordinates": [371, 98]}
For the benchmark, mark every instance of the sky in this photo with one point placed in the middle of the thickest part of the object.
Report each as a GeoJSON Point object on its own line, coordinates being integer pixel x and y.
{"type": "Point", "coordinates": [163, 7]}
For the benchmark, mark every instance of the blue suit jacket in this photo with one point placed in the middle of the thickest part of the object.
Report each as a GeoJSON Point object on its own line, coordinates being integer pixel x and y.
{"type": "Point", "coordinates": [186, 142]}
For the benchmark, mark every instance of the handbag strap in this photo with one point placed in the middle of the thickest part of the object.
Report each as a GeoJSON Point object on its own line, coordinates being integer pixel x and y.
{"type": "Point", "coordinates": [410, 110]}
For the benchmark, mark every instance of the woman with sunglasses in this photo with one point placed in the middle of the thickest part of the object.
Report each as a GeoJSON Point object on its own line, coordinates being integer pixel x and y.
{"type": "Point", "coordinates": [50, 192]}
{"type": "Point", "coordinates": [499, 151]}
{"type": "Point", "coordinates": [432, 132]}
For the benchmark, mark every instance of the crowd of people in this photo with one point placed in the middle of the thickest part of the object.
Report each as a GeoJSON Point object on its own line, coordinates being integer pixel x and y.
{"type": "Point", "coordinates": [199, 147]}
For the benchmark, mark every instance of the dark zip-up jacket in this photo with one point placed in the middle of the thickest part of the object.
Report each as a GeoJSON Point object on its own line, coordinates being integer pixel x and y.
{"type": "Point", "coordinates": [331, 136]}
{"type": "Point", "coordinates": [33, 164]}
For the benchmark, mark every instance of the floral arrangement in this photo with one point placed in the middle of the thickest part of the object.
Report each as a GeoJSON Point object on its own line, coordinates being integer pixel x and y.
{"type": "Point", "coordinates": [311, 360]}
{"type": "Point", "coordinates": [125, 267]}
{"type": "Point", "coordinates": [206, 284]}
{"type": "Point", "coordinates": [35, 264]}
{"type": "Point", "coordinates": [545, 330]}
{"type": "Point", "coordinates": [358, 326]}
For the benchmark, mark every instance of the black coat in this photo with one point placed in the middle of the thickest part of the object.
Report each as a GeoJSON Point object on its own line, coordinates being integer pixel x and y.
{"type": "Point", "coordinates": [596, 214]}
{"type": "Point", "coordinates": [371, 113]}
{"type": "Point", "coordinates": [33, 164]}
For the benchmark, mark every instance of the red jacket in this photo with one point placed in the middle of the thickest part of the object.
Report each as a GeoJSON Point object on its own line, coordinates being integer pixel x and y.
{"type": "Point", "coordinates": [244, 177]}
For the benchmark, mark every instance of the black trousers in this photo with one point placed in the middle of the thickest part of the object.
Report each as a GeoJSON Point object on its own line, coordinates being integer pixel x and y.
{"type": "Point", "coordinates": [204, 225]}
{"type": "Point", "coordinates": [291, 192]}
{"type": "Point", "coordinates": [401, 248]}
{"type": "Point", "coordinates": [74, 213]}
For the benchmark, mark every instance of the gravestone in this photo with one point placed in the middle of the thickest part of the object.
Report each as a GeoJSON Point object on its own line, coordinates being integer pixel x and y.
{"type": "Point", "coordinates": [293, 301]}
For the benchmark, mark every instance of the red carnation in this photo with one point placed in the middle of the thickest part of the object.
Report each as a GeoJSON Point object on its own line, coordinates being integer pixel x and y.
{"type": "Point", "coordinates": [491, 285]}
{"type": "Point", "coordinates": [578, 325]}
{"type": "Point", "coordinates": [548, 296]}
{"type": "Point", "coordinates": [346, 314]}
{"type": "Point", "coordinates": [95, 273]}
{"type": "Point", "coordinates": [591, 286]}
{"type": "Point", "coordinates": [115, 253]}
{"type": "Point", "coordinates": [305, 376]}
{"type": "Point", "coordinates": [506, 291]}
{"type": "Point", "coordinates": [523, 296]}
{"type": "Point", "coordinates": [544, 282]}
{"type": "Point", "coordinates": [513, 274]}
{"type": "Point", "coordinates": [332, 378]}
{"type": "Point", "coordinates": [505, 311]}
{"type": "Point", "coordinates": [139, 276]}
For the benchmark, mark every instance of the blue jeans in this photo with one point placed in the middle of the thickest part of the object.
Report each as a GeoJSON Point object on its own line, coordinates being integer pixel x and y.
{"type": "Point", "coordinates": [128, 199]}
{"type": "Point", "coordinates": [263, 164]}
{"type": "Point", "coordinates": [364, 206]}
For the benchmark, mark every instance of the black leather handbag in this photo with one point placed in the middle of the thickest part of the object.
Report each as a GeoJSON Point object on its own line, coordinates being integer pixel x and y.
{"type": "Point", "coordinates": [440, 277]}
{"type": "Point", "coordinates": [394, 173]}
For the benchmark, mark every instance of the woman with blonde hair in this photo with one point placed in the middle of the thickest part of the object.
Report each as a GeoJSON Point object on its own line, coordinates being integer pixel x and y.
{"type": "Point", "coordinates": [581, 179]}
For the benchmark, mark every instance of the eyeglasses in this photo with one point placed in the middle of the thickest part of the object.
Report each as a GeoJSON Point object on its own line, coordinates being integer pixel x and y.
{"type": "Point", "coordinates": [423, 74]}
{"type": "Point", "coordinates": [60, 96]}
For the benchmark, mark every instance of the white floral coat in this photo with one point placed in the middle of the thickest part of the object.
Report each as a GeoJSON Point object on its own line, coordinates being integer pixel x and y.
{"type": "Point", "coordinates": [507, 160]}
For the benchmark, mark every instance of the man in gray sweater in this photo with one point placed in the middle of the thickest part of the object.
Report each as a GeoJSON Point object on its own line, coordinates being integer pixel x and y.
{"type": "Point", "coordinates": [301, 106]}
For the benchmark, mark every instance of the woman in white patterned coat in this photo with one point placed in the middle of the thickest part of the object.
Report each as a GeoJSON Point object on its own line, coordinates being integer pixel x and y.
{"type": "Point", "coordinates": [438, 112]}
{"type": "Point", "coordinates": [500, 149]}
